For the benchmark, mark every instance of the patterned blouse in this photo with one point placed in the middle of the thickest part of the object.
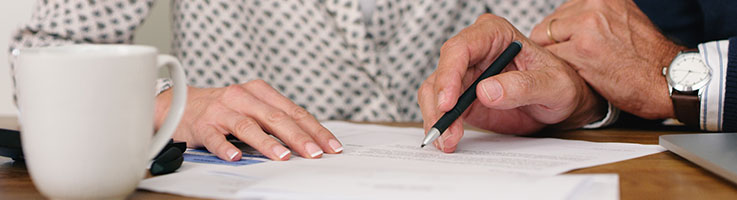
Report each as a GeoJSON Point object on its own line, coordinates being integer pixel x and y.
{"type": "Point", "coordinates": [340, 59]}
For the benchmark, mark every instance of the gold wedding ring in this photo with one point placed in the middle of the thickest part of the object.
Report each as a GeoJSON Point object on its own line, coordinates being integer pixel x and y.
{"type": "Point", "coordinates": [550, 33]}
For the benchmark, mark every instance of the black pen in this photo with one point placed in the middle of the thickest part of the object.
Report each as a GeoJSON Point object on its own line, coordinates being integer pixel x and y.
{"type": "Point", "coordinates": [470, 94]}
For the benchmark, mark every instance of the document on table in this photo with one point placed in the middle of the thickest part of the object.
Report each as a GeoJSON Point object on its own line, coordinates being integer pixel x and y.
{"type": "Point", "coordinates": [386, 162]}
{"type": "Point", "coordinates": [270, 182]}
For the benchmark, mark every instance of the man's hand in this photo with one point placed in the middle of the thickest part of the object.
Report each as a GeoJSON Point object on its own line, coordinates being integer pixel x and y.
{"type": "Point", "coordinates": [248, 111]}
{"type": "Point", "coordinates": [616, 49]}
{"type": "Point", "coordinates": [537, 89]}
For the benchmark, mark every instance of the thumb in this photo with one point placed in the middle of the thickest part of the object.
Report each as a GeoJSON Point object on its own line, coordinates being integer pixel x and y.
{"type": "Point", "coordinates": [521, 88]}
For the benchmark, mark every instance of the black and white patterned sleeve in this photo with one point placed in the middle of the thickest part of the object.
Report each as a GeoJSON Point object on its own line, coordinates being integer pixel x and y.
{"type": "Point", "coordinates": [57, 22]}
{"type": "Point", "coordinates": [81, 21]}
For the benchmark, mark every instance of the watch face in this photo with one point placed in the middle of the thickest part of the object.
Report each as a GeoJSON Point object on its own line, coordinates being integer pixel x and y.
{"type": "Point", "coordinates": [688, 72]}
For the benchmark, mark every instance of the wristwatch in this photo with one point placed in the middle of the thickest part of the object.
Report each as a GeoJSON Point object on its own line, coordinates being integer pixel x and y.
{"type": "Point", "coordinates": [687, 75]}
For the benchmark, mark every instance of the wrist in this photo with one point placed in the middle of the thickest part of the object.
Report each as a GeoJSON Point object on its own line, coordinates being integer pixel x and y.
{"type": "Point", "coordinates": [685, 89]}
{"type": "Point", "coordinates": [669, 52]}
{"type": "Point", "coordinates": [656, 100]}
{"type": "Point", "coordinates": [589, 110]}
{"type": "Point", "coordinates": [661, 104]}
{"type": "Point", "coordinates": [163, 100]}
{"type": "Point", "coordinates": [593, 110]}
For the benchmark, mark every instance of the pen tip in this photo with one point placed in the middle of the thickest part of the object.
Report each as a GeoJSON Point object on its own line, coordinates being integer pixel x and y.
{"type": "Point", "coordinates": [422, 146]}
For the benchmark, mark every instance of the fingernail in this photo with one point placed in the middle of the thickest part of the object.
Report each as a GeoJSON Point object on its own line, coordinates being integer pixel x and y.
{"type": "Point", "coordinates": [492, 89]}
{"type": "Point", "coordinates": [441, 98]}
{"type": "Point", "coordinates": [280, 151]}
{"type": "Point", "coordinates": [313, 150]}
{"type": "Point", "coordinates": [337, 147]}
{"type": "Point", "coordinates": [232, 153]}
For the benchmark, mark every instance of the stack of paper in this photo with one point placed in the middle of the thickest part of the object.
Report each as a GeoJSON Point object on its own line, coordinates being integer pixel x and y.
{"type": "Point", "coordinates": [382, 162]}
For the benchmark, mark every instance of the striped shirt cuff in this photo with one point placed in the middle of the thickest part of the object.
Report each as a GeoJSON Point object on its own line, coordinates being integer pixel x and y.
{"type": "Point", "coordinates": [715, 55]}
{"type": "Point", "coordinates": [162, 85]}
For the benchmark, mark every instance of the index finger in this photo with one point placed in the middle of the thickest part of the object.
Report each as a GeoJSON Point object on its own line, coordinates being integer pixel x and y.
{"type": "Point", "coordinates": [478, 45]}
{"type": "Point", "coordinates": [324, 138]}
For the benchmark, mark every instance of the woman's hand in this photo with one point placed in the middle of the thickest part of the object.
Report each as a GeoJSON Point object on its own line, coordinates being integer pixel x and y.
{"type": "Point", "coordinates": [249, 111]}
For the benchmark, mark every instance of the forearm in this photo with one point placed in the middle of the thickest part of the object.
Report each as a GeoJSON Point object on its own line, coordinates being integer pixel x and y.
{"type": "Point", "coordinates": [163, 99]}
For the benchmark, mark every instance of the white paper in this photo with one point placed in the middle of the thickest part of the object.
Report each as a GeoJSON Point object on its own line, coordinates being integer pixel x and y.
{"type": "Point", "coordinates": [382, 162]}
{"type": "Point", "coordinates": [345, 183]}
{"type": "Point", "coordinates": [488, 151]}
{"type": "Point", "coordinates": [336, 183]}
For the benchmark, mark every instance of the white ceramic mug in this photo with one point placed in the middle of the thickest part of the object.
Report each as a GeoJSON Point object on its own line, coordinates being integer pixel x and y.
{"type": "Point", "coordinates": [87, 117]}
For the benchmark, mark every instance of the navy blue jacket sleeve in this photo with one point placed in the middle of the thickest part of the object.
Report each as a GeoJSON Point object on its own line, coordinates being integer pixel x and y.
{"type": "Point", "coordinates": [691, 22]}
{"type": "Point", "coordinates": [730, 91]}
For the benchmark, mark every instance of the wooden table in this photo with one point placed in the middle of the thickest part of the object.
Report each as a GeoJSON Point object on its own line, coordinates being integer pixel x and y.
{"type": "Point", "coordinates": [658, 176]}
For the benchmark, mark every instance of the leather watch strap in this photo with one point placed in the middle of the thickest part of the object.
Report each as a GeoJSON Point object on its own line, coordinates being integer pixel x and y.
{"type": "Point", "coordinates": [686, 107]}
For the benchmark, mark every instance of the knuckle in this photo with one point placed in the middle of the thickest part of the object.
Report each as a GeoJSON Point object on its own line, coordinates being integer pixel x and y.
{"type": "Point", "coordinates": [597, 3]}
{"type": "Point", "coordinates": [584, 49]}
{"type": "Point", "coordinates": [211, 111]}
{"type": "Point", "coordinates": [258, 83]}
{"type": "Point", "coordinates": [233, 91]}
{"type": "Point", "coordinates": [277, 116]}
{"type": "Point", "coordinates": [450, 44]}
{"type": "Point", "coordinates": [421, 91]}
{"type": "Point", "coordinates": [243, 126]}
{"type": "Point", "coordinates": [538, 31]}
{"type": "Point", "coordinates": [420, 95]}
{"type": "Point", "coordinates": [487, 17]}
{"type": "Point", "coordinates": [266, 142]}
{"type": "Point", "coordinates": [492, 19]}
{"type": "Point", "coordinates": [296, 138]}
{"type": "Point", "coordinates": [424, 88]}
{"type": "Point", "coordinates": [300, 113]}
{"type": "Point", "coordinates": [322, 132]}
{"type": "Point", "coordinates": [428, 84]}
{"type": "Point", "coordinates": [211, 140]}
{"type": "Point", "coordinates": [592, 19]}
{"type": "Point", "coordinates": [205, 126]}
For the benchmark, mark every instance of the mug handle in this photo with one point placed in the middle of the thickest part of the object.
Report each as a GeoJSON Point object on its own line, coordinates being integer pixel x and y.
{"type": "Point", "coordinates": [176, 109]}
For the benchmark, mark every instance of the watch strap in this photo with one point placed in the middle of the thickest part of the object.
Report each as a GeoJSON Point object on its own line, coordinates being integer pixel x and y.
{"type": "Point", "coordinates": [694, 50]}
{"type": "Point", "coordinates": [686, 107]}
